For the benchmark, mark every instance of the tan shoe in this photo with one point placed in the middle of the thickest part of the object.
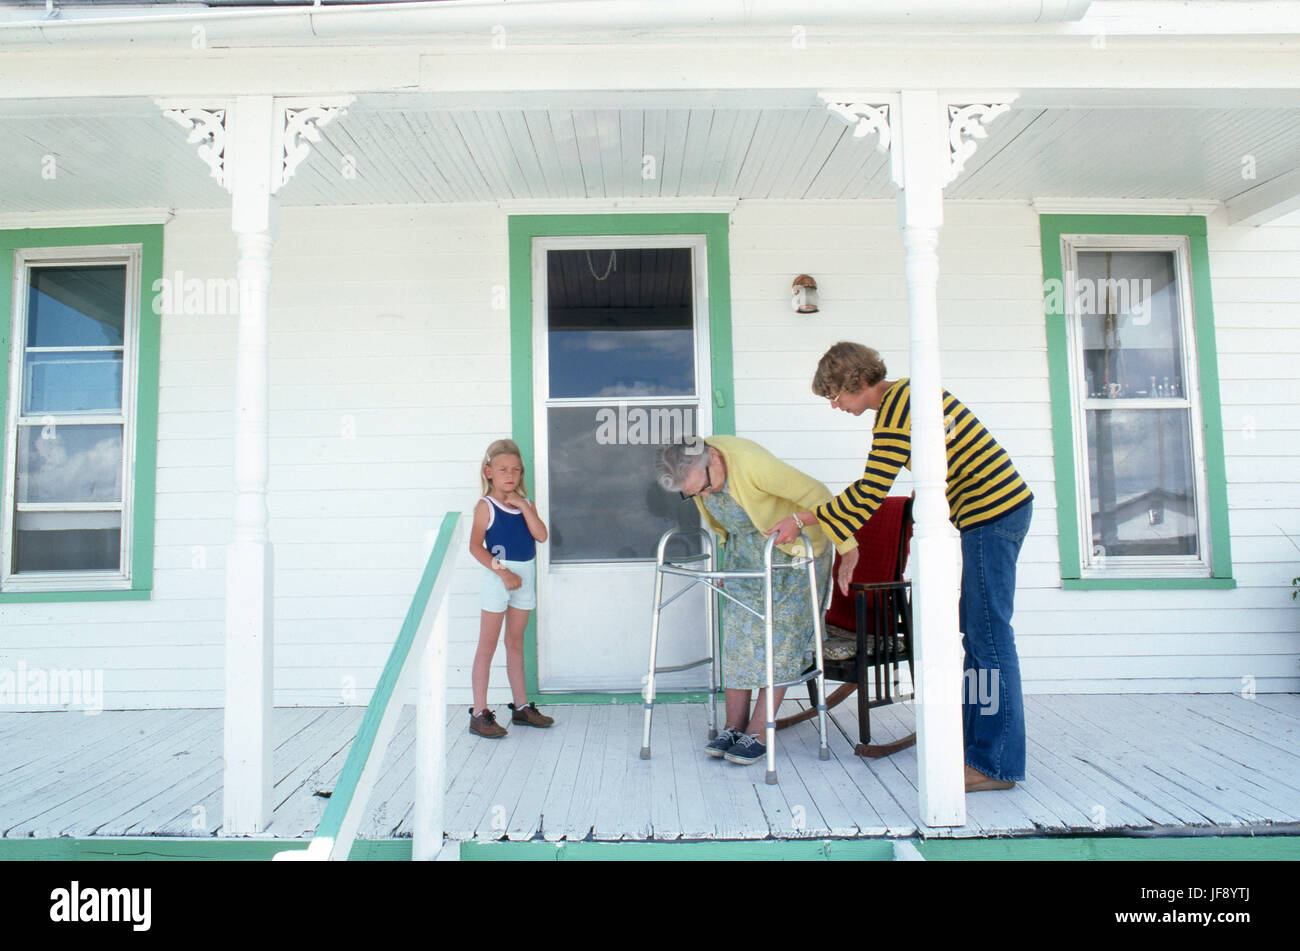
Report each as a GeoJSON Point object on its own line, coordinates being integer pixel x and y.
{"type": "Point", "coordinates": [485, 725]}
{"type": "Point", "coordinates": [529, 715]}
{"type": "Point", "coordinates": [979, 782]}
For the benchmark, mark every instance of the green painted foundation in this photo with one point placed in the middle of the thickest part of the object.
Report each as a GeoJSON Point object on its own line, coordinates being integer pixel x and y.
{"type": "Point", "coordinates": [1228, 848]}
{"type": "Point", "coordinates": [762, 850]}
{"type": "Point", "coordinates": [1058, 849]}
{"type": "Point", "coordinates": [182, 849]}
{"type": "Point", "coordinates": [1237, 848]}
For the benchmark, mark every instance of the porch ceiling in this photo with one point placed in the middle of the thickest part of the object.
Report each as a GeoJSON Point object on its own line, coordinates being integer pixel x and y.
{"type": "Point", "coordinates": [112, 154]}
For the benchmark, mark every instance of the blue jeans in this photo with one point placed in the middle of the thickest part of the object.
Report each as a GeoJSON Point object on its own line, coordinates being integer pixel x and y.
{"type": "Point", "coordinates": [993, 708]}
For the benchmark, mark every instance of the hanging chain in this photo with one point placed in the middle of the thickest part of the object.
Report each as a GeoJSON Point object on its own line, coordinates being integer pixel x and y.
{"type": "Point", "coordinates": [612, 266]}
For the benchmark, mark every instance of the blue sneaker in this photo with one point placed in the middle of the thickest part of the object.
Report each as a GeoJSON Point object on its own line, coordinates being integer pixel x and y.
{"type": "Point", "coordinates": [718, 747]}
{"type": "Point", "coordinates": [746, 751]}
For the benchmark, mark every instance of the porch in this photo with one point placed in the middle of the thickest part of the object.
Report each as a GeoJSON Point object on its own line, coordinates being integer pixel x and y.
{"type": "Point", "coordinates": [394, 244]}
{"type": "Point", "coordinates": [1147, 764]}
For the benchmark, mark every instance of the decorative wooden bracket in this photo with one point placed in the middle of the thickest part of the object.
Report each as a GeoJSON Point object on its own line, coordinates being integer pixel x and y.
{"type": "Point", "coordinates": [965, 125]}
{"type": "Point", "coordinates": [866, 118]}
{"type": "Point", "coordinates": [207, 129]}
{"type": "Point", "coordinates": [297, 126]}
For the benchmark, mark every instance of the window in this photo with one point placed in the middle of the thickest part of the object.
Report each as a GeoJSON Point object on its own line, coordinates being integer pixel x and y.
{"type": "Point", "coordinates": [625, 360]}
{"type": "Point", "coordinates": [1139, 458]}
{"type": "Point", "coordinates": [78, 513]}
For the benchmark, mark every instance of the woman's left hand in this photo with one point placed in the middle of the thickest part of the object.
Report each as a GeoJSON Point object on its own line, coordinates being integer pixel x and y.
{"type": "Point", "coordinates": [786, 530]}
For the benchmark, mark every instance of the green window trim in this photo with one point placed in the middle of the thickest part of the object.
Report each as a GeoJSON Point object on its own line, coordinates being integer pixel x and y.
{"type": "Point", "coordinates": [522, 229]}
{"type": "Point", "coordinates": [150, 240]}
{"type": "Point", "coordinates": [1192, 227]}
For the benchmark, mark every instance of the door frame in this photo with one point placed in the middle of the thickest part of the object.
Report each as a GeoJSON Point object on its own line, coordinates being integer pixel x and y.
{"type": "Point", "coordinates": [522, 229]}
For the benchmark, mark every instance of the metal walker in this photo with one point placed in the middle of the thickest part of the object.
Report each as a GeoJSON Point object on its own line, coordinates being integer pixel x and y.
{"type": "Point", "coordinates": [710, 577]}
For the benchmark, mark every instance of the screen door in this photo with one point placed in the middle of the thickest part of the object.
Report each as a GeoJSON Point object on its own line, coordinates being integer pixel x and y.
{"type": "Point", "coordinates": [621, 367]}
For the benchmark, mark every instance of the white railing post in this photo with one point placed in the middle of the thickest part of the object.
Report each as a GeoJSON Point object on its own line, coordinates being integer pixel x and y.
{"type": "Point", "coordinates": [431, 742]}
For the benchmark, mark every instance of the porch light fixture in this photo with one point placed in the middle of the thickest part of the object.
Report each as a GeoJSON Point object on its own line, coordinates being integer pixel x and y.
{"type": "Point", "coordinates": [804, 300]}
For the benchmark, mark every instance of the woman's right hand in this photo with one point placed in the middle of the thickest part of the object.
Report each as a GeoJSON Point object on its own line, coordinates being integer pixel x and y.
{"type": "Point", "coordinates": [512, 581]}
{"type": "Point", "coordinates": [848, 561]}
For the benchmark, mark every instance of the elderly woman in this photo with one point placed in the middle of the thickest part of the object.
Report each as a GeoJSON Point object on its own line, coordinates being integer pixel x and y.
{"type": "Point", "coordinates": [742, 491]}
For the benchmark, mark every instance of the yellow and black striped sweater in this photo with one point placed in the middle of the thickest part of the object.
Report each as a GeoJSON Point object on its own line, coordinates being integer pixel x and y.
{"type": "Point", "coordinates": [982, 482]}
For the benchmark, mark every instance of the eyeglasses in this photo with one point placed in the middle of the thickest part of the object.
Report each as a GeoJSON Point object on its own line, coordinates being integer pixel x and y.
{"type": "Point", "coordinates": [708, 484]}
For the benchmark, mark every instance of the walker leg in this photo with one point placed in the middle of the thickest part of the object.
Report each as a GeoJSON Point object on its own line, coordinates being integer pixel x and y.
{"type": "Point", "coordinates": [769, 704]}
{"type": "Point", "coordinates": [711, 618]}
{"type": "Point", "coordinates": [823, 751]}
{"type": "Point", "coordinates": [645, 736]}
{"type": "Point", "coordinates": [649, 693]}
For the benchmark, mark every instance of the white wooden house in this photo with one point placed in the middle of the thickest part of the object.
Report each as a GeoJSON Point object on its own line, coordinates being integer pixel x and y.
{"type": "Point", "coordinates": [358, 242]}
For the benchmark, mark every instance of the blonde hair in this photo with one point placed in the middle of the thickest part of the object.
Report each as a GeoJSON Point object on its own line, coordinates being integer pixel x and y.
{"type": "Point", "coordinates": [847, 367]}
{"type": "Point", "coordinates": [503, 447]}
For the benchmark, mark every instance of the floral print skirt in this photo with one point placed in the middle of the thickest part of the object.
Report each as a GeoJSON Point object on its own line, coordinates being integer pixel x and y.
{"type": "Point", "coordinates": [744, 660]}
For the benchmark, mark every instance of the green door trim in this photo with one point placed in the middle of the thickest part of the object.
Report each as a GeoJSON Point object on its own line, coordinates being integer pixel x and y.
{"type": "Point", "coordinates": [1067, 515]}
{"type": "Point", "coordinates": [522, 229]}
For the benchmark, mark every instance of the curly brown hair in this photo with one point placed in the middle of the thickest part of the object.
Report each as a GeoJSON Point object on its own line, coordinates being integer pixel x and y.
{"type": "Point", "coordinates": [847, 367]}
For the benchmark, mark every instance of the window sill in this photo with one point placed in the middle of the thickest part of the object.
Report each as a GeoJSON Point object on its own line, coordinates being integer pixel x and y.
{"type": "Point", "coordinates": [32, 597]}
{"type": "Point", "coordinates": [1140, 584]}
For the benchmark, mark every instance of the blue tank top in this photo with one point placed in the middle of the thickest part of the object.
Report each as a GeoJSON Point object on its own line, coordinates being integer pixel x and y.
{"type": "Point", "coordinates": [507, 536]}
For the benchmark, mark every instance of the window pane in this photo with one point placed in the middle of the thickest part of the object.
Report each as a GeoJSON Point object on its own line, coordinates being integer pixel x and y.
{"type": "Point", "coordinates": [605, 502]}
{"type": "Point", "coordinates": [1140, 470]}
{"type": "Point", "coordinates": [76, 382]}
{"type": "Point", "coordinates": [1127, 302]}
{"type": "Point", "coordinates": [68, 541]}
{"type": "Point", "coordinates": [65, 463]}
{"type": "Point", "coordinates": [82, 306]}
{"type": "Point", "coordinates": [620, 323]}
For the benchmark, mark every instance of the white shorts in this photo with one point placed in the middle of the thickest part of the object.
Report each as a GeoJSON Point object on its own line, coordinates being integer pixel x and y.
{"type": "Point", "coordinates": [493, 595]}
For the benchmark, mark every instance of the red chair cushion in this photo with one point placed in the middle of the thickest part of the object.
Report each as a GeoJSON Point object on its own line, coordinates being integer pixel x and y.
{"type": "Point", "coordinates": [879, 559]}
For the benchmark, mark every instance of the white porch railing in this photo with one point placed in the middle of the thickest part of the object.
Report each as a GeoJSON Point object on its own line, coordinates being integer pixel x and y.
{"type": "Point", "coordinates": [421, 645]}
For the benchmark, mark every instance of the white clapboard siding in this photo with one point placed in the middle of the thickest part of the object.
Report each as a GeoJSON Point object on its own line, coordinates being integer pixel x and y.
{"type": "Point", "coordinates": [390, 373]}
{"type": "Point", "coordinates": [991, 316]}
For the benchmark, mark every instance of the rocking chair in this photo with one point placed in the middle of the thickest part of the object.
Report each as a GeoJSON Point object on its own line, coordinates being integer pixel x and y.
{"type": "Point", "coordinates": [870, 629]}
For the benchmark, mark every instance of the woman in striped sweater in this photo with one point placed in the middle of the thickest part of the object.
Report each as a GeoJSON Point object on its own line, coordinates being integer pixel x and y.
{"type": "Point", "coordinates": [990, 505]}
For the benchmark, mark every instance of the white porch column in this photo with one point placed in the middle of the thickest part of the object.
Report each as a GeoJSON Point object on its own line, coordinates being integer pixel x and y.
{"type": "Point", "coordinates": [922, 134]}
{"type": "Point", "coordinates": [251, 140]}
{"type": "Point", "coordinates": [252, 144]}
{"type": "Point", "coordinates": [929, 140]}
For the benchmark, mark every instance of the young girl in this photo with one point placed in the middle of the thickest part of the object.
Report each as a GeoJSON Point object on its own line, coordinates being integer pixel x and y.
{"type": "Point", "coordinates": [504, 541]}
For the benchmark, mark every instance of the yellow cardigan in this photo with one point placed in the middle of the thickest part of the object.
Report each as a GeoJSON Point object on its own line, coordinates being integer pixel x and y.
{"type": "Point", "coordinates": [769, 490]}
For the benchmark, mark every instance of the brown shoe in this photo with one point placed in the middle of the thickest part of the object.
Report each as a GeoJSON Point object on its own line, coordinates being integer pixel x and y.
{"type": "Point", "coordinates": [485, 725]}
{"type": "Point", "coordinates": [529, 715]}
{"type": "Point", "coordinates": [979, 782]}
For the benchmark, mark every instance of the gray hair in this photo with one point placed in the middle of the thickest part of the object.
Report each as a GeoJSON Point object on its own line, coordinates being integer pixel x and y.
{"type": "Point", "coordinates": [675, 462]}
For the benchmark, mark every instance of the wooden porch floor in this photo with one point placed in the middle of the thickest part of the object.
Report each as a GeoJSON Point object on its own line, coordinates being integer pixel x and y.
{"type": "Point", "coordinates": [1096, 764]}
